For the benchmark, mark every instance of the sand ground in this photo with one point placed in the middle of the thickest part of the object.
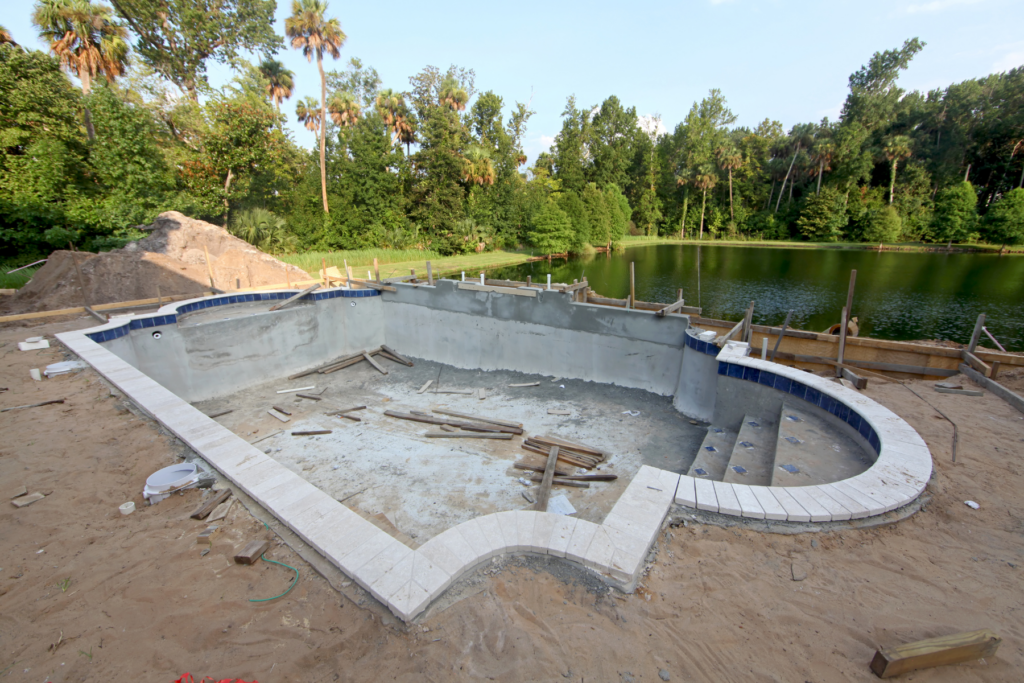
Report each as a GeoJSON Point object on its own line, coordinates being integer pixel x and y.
{"type": "Point", "coordinates": [89, 595]}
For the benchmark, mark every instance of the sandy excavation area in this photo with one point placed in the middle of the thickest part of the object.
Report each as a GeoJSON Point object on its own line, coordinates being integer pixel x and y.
{"type": "Point", "coordinates": [89, 595]}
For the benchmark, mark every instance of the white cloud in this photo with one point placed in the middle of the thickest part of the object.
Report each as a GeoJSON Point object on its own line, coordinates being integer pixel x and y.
{"type": "Point", "coordinates": [938, 5]}
{"type": "Point", "coordinates": [652, 125]}
{"type": "Point", "coordinates": [1010, 60]}
{"type": "Point", "coordinates": [546, 141]}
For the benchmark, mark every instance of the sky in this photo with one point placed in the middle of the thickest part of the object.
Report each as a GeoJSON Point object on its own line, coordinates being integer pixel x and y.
{"type": "Point", "coordinates": [787, 60]}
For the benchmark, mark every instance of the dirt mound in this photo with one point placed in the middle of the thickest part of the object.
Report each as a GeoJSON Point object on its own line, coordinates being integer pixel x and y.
{"type": "Point", "coordinates": [169, 262]}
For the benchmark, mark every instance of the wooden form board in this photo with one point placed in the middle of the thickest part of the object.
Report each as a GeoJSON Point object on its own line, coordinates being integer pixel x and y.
{"type": "Point", "coordinates": [501, 290]}
{"type": "Point", "coordinates": [942, 651]}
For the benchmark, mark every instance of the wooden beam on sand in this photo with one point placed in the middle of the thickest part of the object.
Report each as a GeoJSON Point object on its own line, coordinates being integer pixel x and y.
{"type": "Point", "coordinates": [478, 418]}
{"type": "Point", "coordinates": [671, 308]}
{"type": "Point", "coordinates": [545, 486]}
{"type": "Point", "coordinates": [466, 435]}
{"type": "Point", "coordinates": [995, 387]}
{"type": "Point", "coordinates": [374, 363]}
{"type": "Point", "coordinates": [399, 357]}
{"type": "Point", "coordinates": [942, 651]}
{"type": "Point", "coordinates": [293, 299]}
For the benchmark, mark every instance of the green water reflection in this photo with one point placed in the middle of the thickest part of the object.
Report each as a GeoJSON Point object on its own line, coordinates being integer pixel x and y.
{"type": "Point", "coordinates": [898, 295]}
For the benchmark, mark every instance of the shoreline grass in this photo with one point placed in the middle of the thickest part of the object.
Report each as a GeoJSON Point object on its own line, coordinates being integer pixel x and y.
{"type": "Point", "coordinates": [15, 280]}
{"type": "Point", "coordinates": [395, 263]}
{"type": "Point", "coordinates": [643, 241]}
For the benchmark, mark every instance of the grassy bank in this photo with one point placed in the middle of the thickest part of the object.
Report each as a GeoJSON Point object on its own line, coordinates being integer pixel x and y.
{"type": "Point", "coordinates": [394, 263]}
{"type": "Point", "coordinates": [641, 241]}
{"type": "Point", "coordinates": [15, 280]}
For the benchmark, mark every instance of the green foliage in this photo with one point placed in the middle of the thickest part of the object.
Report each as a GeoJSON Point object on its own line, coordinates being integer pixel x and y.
{"type": "Point", "coordinates": [880, 223]}
{"type": "Point", "coordinates": [1004, 222]}
{"type": "Point", "coordinates": [263, 230]}
{"type": "Point", "coordinates": [573, 206]}
{"type": "Point", "coordinates": [438, 194]}
{"type": "Point", "coordinates": [823, 217]}
{"type": "Point", "coordinates": [552, 230]}
{"type": "Point", "coordinates": [956, 215]}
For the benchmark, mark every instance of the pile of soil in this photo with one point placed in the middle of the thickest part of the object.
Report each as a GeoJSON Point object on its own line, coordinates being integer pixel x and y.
{"type": "Point", "coordinates": [169, 262]}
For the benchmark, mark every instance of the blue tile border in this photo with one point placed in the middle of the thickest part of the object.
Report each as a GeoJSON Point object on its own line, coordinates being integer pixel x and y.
{"type": "Point", "coordinates": [795, 388]}
{"type": "Point", "coordinates": [698, 345]}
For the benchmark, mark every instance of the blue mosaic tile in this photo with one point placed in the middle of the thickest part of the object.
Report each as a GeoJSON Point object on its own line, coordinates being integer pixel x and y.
{"type": "Point", "coordinates": [735, 370]}
{"type": "Point", "coordinates": [700, 472]}
{"type": "Point", "coordinates": [812, 395]}
{"type": "Point", "coordinates": [723, 367]}
{"type": "Point", "coordinates": [875, 443]}
{"type": "Point", "coordinates": [793, 440]}
{"type": "Point", "coordinates": [792, 469]}
{"type": "Point", "coordinates": [826, 403]}
{"type": "Point", "coordinates": [746, 444]}
{"type": "Point", "coordinates": [751, 374]}
{"type": "Point", "coordinates": [797, 389]}
{"type": "Point", "coordinates": [136, 325]}
{"type": "Point", "coordinates": [767, 378]}
{"type": "Point", "coordinates": [844, 412]}
{"type": "Point", "coordinates": [865, 429]}
{"type": "Point", "coordinates": [854, 420]}
{"type": "Point", "coordinates": [783, 383]}
{"type": "Point", "coordinates": [739, 469]}
{"type": "Point", "coordinates": [711, 449]}
{"type": "Point", "coordinates": [717, 430]}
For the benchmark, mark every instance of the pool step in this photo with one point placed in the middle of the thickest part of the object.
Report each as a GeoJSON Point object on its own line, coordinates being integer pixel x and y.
{"type": "Point", "coordinates": [753, 454]}
{"type": "Point", "coordinates": [810, 451]}
{"type": "Point", "coordinates": [714, 454]}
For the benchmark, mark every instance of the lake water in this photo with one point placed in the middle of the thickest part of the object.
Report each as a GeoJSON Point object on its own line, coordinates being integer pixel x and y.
{"type": "Point", "coordinates": [902, 296]}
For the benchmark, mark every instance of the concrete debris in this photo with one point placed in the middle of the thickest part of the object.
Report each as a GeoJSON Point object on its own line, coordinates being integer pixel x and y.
{"type": "Point", "coordinates": [971, 504]}
{"type": "Point", "coordinates": [798, 571]}
{"type": "Point", "coordinates": [33, 343]}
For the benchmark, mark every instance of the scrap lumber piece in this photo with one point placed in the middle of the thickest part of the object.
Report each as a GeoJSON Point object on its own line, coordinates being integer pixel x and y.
{"type": "Point", "coordinates": [925, 654]}
{"type": "Point", "coordinates": [671, 308]}
{"type": "Point", "coordinates": [281, 410]}
{"type": "Point", "coordinates": [291, 300]}
{"type": "Point", "coordinates": [577, 460]}
{"type": "Point", "coordinates": [322, 369]}
{"type": "Point", "coordinates": [292, 391]}
{"type": "Point", "coordinates": [19, 492]}
{"type": "Point", "coordinates": [99, 316]}
{"type": "Point", "coordinates": [399, 357]}
{"type": "Point", "coordinates": [562, 481]}
{"type": "Point", "coordinates": [349, 410]}
{"type": "Point", "coordinates": [538, 468]}
{"type": "Point", "coordinates": [221, 511]}
{"type": "Point", "coordinates": [279, 416]}
{"type": "Point", "coordinates": [370, 284]}
{"type": "Point", "coordinates": [264, 438]}
{"type": "Point", "coordinates": [468, 426]}
{"type": "Point", "coordinates": [312, 432]}
{"type": "Point", "coordinates": [976, 363]}
{"type": "Point", "coordinates": [858, 381]}
{"type": "Point", "coordinates": [207, 507]}
{"type": "Point", "coordinates": [555, 411]}
{"type": "Point", "coordinates": [578, 447]}
{"type": "Point", "coordinates": [309, 396]}
{"type": "Point", "coordinates": [206, 537]}
{"type": "Point", "coordinates": [477, 418]}
{"type": "Point", "coordinates": [455, 391]}
{"type": "Point", "coordinates": [374, 363]}
{"type": "Point", "coordinates": [962, 392]}
{"type": "Point", "coordinates": [349, 417]}
{"type": "Point", "coordinates": [32, 405]}
{"type": "Point", "coordinates": [252, 551]}
{"type": "Point", "coordinates": [996, 388]}
{"type": "Point", "coordinates": [24, 501]}
{"type": "Point", "coordinates": [467, 435]}
{"type": "Point", "coordinates": [342, 365]}
{"type": "Point", "coordinates": [448, 428]}
{"type": "Point", "coordinates": [394, 358]}
{"type": "Point", "coordinates": [220, 413]}
{"type": "Point", "coordinates": [527, 384]}
{"type": "Point", "coordinates": [549, 475]}
{"type": "Point", "coordinates": [425, 386]}
{"type": "Point", "coordinates": [584, 477]}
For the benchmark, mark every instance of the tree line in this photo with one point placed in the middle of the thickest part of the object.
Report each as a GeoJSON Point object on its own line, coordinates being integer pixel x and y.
{"type": "Point", "coordinates": [440, 165]}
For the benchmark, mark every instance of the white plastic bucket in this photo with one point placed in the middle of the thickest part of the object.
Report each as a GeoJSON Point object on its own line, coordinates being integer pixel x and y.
{"type": "Point", "coordinates": [171, 477]}
{"type": "Point", "coordinates": [127, 508]}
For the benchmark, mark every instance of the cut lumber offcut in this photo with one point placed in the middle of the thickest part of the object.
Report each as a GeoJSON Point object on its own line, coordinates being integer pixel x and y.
{"type": "Point", "coordinates": [561, 481]}
{"type": "Point", "coordinates": [949, 385]}
{"type": "Point", "coordinates": [19, 492]}
{"type": "Point", "coordinates": [477, 418]}
{"type": "Point", "coordinates": [99, 316]}
{"type": "Point", "coordinates": [527, 384]}
{"type": "Point", "coordinates": [466, 435]}
{"type": "Point", "coordinates": [961, 392]}
{"type": "Point", "coordinates": [554, 440]}
{"type": "Point", "coordinates": [425, 386]}
{"type": "Point", "coordinates": [729, 335]}
{"type": "Point", "coordinates": [282, 410]}
{"type": "Point", "coordinates": [207, 507]}
{"type": "Point", "coordinates": [221, 511]}
{"type": "Point", "coordinates": [539, 468]}
{"type": "Point", "coordinates": [252, 551]}
{"type": "Point", "coordinates": [206, 537]}
{"type": "Point", "coordinates": [399, 357]}
{"type": "Point", "coordinates": [291, 300]}
{"type": "Point", "coordinates": [292, 391]}
{"type": "Point", "coordinates": [312, 432]}
{"type": "Point", "coordinates": [311, 397]}
{"type": "Point", "coordinates": [869, 365]}
{"type": "Point", "coordinates": [847, 383]}
{"type": "Point", "coordinates": [976, 363]}
{"type": "Point", "coordinates": [337, 361]}
{"type": "Point", "coordinates": [387, 355]}
{"type": "Point", "coordinates": [546, 480]}
{"type": "Point", "coordinates": [374, 363]}
{"type": "Point", "coordinates": [468, 426]}
{"type": "Point", "coordinates": [858, 381]}
{"type": "Point", "coordinates": [782, 333]}
{"type": "Point", "coordinates": [342, 365]}
{"type": "Point", "coordinates": [33, 405]}
{"type": "Point", "coordinates": [466, 392]}
{"type": "Point", "coordinates": [375, 285]}
{"type": "Point", "coordinates": [571, 458]}
{"type": "Point", "coordinates": [448, 428]}
{"type": "Point", "coordinates": [264, 438]}
{"type": "Point", "coordinates": [586, 477]}
{"type": "Point", "coordinates": [671, 308]}
{"type": "Point", "coordinates": [925, 654]}
{"type": "Point", "coordinates": [349, 417]}
{"type": "Point", "coordinates": [349, 410]}
{"type": "Point", "coordinates": [279, 416]}
{"type": "Point", "coordinates": [996, 388]}
{"type": "Point", "coordinates": [554, 411]}
{"type": "Point", "coordinates": [24, 501]}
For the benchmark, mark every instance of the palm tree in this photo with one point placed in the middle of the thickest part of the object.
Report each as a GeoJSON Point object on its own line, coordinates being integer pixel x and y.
{"type": "Point", "coordinates": [477, 167]}
{"type": "Point", "coordinates": [896, 147]}
{"type": "Point", "coordinates": [315, 34]}
{"type": "Point", "coordinates": [730, 160]}
{"type": "Point", "coordinates": [405, 129]}
{"type": "Point", "coordinates": [453, 94]}
{"type": "Point", "coordinates": [308, 111]}
{"type": "Point", "coordinates": [344, 109]}
{"type": "Point", "coordinates": [392, 109]}
{"type": "Point", "coordinates": [704, 180]}
{"type": "Point", "coordinates": [823, 152]}
{"type": "Point", "coordinates": [6, 38]}
{"type": "Point", "coordinates": [85, 40]}
{"type": "Point", "coordinates": [280, 81]}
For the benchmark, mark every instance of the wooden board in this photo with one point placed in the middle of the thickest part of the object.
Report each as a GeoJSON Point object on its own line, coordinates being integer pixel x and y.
{"type": "Point", "coordinates": [374, 363]}
{"type": "Point", "coordinates": [995, 387]}
{"type": "Point", "coordinates": [23, 501]}
{"type": "Point", "coordinates": [477, 418]}
{"type": "Point", "coordinates": [207, 507]}
{"type": "Point", "coordinates": [500, 290]}
{"type": "Point", "coordinates": [292, 299]}
{"type": "Point", "coordinates": [221, 511]}
{"type": "Point", "coordinates": [252, 552]}
{"type": "Point", "coordinates": [465, 435]}
{"type": "Point", "coordinates": [399, 357]}
{"type": "Point", "coordinates": [549, 476]}
{"type": "Point", "coordinates": [925, 654]}
{"type": "Point", "coordinates": [312, 432]}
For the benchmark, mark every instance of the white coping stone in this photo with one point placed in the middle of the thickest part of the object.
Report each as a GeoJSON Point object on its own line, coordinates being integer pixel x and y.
{"type": "Point", "coordinates": [870, 496]}
{"type": "Point", "coordinates": [439, 552]}
{"type": "Point", "coordinates": [476, 539]}
{"type": "Point", "coordinates": [706, 497]}
{"type": "Point", "coordinates": [857, 511]}
{"type": "Point", "coordinates": [836, 510]}
{"type": "Point", "coordinates": [370, 572]}
{"type": "Point", "coordinates": [527, 521]}
{"type": "Point", "coordinates": [644, 530]}
{"type": "Point", "coordinates": [409, 601]}
{"type": "Point", "coordinates": [749, 505]}
{"type": "Point", "coordinates": [561, 535]}
{"type": "Point", "coordinates": [582, 535]}
{"type": "Point", "coordinates": [769, 504]}
{"type": "Point", "coordinates": [366, 551]}
{"type": "Point", "coordinates": [598, 555]}
{"type": "Point", "coordinates": [686, 494]}
{"type": "Point", "coordinates": [795, 512]}
{"type": "Point", "coordinates": [509, 531]}
{"type": "Point", "coordinates": [543, 528]}
{"type": "Point", "coordinates": [802, 496]}
{"type": "Point", "coordinates": [727, 501]}
{"type": "Point", "coordinates": [488, 524]}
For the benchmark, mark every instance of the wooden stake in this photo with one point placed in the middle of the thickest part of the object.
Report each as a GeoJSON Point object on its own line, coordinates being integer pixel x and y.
{"type": "Point", "coordinates": [976, 337]}
{"type": "Point", "coordinates": [374, 363]}
{"type": "Point", "coordinates": [376, 270]}
{"type": "Point", "coordinates": [295, 298]}
{"type": "Point", "coordinates": [632, 282]}
{"type": "Point", "coordinates": [924, 654]}
{"type": "Point", "coordinates": [545, 485]}
{"type": "Point", "coordinates": [159, 299]}
{"type": "Point", "coordinates": [209, 268]}
{"type": "Point", "coordinates": [430, 275]}
{"type": "Point", "coordinates": [324, 262]}
{"type": "Point", "coordinates": [842, 340]}
{"type": "Point", "coordinates": [782, 333]}
{"type": "Point", "coordinates": [847, 314]}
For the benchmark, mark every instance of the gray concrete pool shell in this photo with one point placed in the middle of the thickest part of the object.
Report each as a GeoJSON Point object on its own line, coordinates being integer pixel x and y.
{"type": "Point", "coordinates": [162, 362]}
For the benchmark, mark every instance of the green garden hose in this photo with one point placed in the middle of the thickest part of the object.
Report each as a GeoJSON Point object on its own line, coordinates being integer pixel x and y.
{"type": "Point", "coordinates": [264, 558]}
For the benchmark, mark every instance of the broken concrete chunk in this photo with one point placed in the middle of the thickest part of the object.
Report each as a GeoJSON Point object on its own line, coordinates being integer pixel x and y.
{"type": "Point", "coordinates": [799, 572]}
{"type": "Point", "coordinates": [24, 501]}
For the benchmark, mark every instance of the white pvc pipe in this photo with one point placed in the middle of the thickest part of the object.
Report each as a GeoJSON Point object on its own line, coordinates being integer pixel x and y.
{"type": "Point", "coordinates": [481, 278]}
{"type": "Point", "coordinates": [463, 276]}
{"type": "Point", "coordinates": [549, 280]}
{"type": "Point", "coordinates": [764, 349]}
{"type": "Point", "coordinates": [993, 339]}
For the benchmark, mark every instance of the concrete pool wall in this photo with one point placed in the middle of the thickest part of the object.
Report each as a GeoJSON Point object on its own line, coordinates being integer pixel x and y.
{"type": "Point", "coordinates": [487, 327]}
